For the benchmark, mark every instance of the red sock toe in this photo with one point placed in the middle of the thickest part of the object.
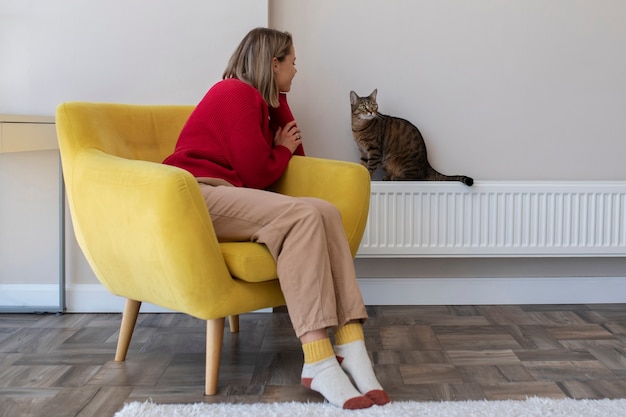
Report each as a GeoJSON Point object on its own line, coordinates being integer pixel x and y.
{"type": "Point", "coordinates": [378, 396]}
{"type": "Point", "coordinates": [358, 403]}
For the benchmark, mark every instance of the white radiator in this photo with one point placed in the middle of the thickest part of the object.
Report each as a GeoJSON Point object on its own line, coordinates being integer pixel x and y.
{"type": "Point", "coordinates": [495, 219]}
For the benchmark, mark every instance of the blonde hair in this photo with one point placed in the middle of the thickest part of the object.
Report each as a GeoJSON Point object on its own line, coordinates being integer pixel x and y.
{"type": "Point", "coordinates": [252, 61]}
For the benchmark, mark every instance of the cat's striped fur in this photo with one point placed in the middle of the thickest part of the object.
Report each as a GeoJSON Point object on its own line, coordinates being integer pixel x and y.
{"type": "Point", "coordinates": [394, 144]}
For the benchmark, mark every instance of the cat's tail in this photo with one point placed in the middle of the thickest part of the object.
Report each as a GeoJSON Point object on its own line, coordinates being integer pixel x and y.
{"type": "Point", "coordinates": [469, 181]}
{"type": "Point", "coordinates": [434, 175]}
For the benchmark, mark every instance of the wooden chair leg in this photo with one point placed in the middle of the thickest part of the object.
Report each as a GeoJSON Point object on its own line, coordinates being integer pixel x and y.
{"type": "Point", "coordinates": [233, 323]}
{"type": "Point", "coordinates": [129, 319]}
{"type": "Point", "coordinates": [214, 339]}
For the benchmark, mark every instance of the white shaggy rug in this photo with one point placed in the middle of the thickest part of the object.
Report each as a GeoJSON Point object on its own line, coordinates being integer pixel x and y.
{"type": "Point", "coordinates": [533, 407]}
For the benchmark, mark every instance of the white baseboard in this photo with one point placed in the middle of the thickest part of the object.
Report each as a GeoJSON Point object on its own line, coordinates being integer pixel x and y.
{"type": "Point", "coordinates": [489, 291]}
{"type": "Point", "coordinates": [26, 296]}
{"type": "Point", "coordinates": [80, 298]}
{"type": "Point", "coordinates": [94, 298]}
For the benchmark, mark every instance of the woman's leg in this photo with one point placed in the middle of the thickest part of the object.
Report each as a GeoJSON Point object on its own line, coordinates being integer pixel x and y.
{"type": "Point", "coordinates": [350, 305]}
{"type": "Point", "coordinates": [350, 342]}
{"type": "Point", "coordinates": [316, 273]}
{"type": "Point", "coordinates": [294, 232]}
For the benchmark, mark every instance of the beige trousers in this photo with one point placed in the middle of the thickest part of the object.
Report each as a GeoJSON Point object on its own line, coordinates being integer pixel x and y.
{"type": "Point", "coordinates": [308, 242]}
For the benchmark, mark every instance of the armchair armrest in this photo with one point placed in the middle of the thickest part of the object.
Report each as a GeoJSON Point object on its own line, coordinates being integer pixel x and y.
{"type": "Point", "coordinates": [345, 184]}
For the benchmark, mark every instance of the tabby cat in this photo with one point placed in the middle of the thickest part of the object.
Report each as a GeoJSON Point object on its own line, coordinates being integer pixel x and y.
{"type": "Point", "coordinates": [394, 144]}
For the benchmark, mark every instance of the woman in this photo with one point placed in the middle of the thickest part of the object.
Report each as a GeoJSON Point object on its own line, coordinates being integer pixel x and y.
{"type": "Point", "coordinates": [237, 142]}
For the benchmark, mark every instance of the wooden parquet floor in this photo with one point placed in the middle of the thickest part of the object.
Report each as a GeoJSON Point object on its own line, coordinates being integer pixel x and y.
{"type": "Point", "coordinates": [58, 366]}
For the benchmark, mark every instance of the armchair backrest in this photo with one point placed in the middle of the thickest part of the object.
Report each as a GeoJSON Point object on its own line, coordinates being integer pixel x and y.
{"type": "Point", "coordinates": [140, 132]}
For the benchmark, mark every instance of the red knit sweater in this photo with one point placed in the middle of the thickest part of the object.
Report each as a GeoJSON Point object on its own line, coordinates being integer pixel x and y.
{"type": "Point", "coordinates": [230, 135]}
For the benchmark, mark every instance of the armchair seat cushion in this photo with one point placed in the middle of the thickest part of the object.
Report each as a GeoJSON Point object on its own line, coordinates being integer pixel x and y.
{"type": "Point", "coordinates": [249, 261]}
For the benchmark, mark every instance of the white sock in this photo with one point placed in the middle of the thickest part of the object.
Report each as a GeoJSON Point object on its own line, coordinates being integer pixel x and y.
{"type": "Point", "coordinates": [356, 362]}
{"type": "Point", "coordinates": [327, 378]}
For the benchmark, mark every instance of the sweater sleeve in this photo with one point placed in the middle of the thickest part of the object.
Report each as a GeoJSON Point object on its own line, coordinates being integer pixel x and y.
{"type": "Point", "coordinates": [252, 155]}
{"type": "Point", "coordinates": [282, 115]}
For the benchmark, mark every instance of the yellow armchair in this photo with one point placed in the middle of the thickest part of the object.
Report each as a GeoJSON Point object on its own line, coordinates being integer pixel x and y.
{"type": "Point", "coordinates": [145, 230]}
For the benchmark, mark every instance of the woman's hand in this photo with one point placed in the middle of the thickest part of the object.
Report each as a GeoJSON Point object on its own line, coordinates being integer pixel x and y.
{"type": "Point", "coordinates": [288, 136]}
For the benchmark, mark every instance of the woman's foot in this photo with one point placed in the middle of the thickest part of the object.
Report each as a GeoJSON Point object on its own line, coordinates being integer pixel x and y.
{"type": "Point", "coordinates": [352, 355]}
{"type": "Point", "coordinates": [327, 378]}
{"type": "Point", "coordinates": [322, 373]}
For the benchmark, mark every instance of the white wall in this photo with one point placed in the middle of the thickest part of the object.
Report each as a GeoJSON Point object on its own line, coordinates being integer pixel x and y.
{"type": "Point", "coordinates": [501, 90]}
{"type": "Point", "coordinates": [139, 51]}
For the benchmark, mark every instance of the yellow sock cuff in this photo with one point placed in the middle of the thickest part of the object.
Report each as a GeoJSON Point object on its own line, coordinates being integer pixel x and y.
{"type": "Point", "coordinates": [318, 350]}
{"type": "Point", "coordinates": [349, 333]}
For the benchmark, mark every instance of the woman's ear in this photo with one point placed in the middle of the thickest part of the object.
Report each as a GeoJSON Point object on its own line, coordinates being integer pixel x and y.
{"type": "Point", "coordinates": [275, 64]}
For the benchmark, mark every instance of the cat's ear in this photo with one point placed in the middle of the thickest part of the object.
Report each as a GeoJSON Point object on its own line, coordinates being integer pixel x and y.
{"type": "Point", "coordinates": [373, 95]}
{"type": "Point", "coordinates": [353, 97]}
